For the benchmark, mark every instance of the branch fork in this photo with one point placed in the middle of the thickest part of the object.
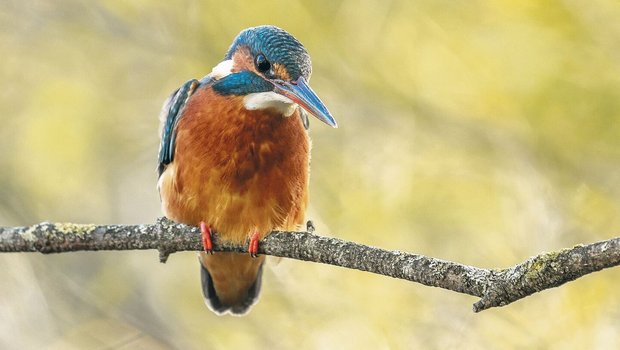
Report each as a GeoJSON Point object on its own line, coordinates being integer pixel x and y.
{"type": "Point", "coordinates": [494, 287]}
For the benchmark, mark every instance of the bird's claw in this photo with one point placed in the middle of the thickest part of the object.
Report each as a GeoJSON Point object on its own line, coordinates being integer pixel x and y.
{"type": "Point", "coordinates": [253, 246]}
{"type": "Point", "coordinates": [207, 242]}
{"type": "Point", "coordinates": [310, 226]}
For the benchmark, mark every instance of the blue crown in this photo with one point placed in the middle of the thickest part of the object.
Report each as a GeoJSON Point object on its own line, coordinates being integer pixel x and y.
{"type": "Point", "coordinates": [278, 46]}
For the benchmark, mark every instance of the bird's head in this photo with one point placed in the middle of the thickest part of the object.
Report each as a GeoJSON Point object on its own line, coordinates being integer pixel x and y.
{"type": "Point", "coordinates": [271, 69]}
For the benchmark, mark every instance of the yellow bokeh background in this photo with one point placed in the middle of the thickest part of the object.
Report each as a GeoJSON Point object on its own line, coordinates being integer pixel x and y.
{"type": "Point", "coordinates": [482, 132]}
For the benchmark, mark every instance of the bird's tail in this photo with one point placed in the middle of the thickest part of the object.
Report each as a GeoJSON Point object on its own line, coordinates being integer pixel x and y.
{"type": "Point", "coordinates": [231, 282]}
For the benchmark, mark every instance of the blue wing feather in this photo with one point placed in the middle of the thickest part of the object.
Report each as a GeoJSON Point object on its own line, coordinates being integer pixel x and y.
{"type": "Point", "coordinates": [170, 115]}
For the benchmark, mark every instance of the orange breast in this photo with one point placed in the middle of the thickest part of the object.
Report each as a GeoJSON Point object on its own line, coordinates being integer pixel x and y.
{"type": "Point", "coordinates": [239, 171]}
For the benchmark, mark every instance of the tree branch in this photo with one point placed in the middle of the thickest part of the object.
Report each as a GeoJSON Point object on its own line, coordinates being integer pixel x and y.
{"type": "Point", "coordinates": [494, 287]}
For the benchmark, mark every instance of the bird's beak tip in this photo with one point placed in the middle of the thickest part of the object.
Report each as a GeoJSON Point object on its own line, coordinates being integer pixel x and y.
{"type": "Point", "coordinates": [332, 122]}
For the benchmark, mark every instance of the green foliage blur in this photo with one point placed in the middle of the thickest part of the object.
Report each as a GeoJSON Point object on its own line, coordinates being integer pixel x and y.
{"type": "Point", "coordinates": [481, 132]}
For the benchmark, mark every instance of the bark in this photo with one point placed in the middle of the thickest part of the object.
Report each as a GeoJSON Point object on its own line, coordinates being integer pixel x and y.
{"type": "Point", "coordinates": [494, 287]}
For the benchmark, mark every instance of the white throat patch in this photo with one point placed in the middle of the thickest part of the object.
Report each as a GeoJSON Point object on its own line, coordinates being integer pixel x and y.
{"type": "Point", "coordinates": [223, 69]}
{"type": "Point", "coordinates": [259, 100]}
{"type": "Point", "coordinates": [264, 100]}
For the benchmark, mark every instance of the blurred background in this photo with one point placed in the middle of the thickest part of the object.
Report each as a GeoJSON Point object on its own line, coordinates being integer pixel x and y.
{"type": "Point", "coordinates": [481, 132]}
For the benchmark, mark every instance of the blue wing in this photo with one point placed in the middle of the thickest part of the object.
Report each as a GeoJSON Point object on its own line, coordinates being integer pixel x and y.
{"type": "Point", "coordinates": [170, 115]}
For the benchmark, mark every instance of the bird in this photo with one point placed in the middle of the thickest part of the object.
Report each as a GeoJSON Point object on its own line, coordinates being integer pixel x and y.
{"type": "Point", "coordinates": [234, 157]}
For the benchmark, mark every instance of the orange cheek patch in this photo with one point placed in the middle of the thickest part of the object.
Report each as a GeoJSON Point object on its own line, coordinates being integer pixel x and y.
{"type": "Point", "coordinates": [243, 60]}
{"type": "Point", "coordinates": [281, 72]}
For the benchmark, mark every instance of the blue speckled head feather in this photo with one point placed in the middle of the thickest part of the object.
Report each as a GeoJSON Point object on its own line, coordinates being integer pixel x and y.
{"type": "Point", "coordinates": [278, 46]}
{"type": "Point", "coordinates": [242, 83]}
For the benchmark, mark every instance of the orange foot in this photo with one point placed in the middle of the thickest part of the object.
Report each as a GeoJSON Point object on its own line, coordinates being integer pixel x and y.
{"type": "Point", "coordinates": [253, 246]}
{"type": "Point", "coordinates": [207, 243]}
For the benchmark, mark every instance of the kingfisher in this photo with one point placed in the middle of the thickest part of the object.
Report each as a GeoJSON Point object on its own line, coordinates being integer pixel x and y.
{"type": "Point", "coordinates": [234, 157]}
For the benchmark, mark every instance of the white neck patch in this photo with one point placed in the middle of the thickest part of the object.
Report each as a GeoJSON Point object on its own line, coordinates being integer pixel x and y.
{"type": "Point", "coordinates": [223, 69]}
{"type": "Point", "coordinates": [259, 100]}
{"type": "Point", "coordinates": [264, 100]}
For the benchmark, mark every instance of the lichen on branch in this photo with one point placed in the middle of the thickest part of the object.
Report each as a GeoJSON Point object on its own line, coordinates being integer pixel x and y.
{"type": "Point", "coordinates": [494, 287]}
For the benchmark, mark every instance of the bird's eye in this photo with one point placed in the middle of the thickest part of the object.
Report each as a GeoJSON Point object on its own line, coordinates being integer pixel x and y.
{"type": "Point", "coordinates": [262, 64]}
